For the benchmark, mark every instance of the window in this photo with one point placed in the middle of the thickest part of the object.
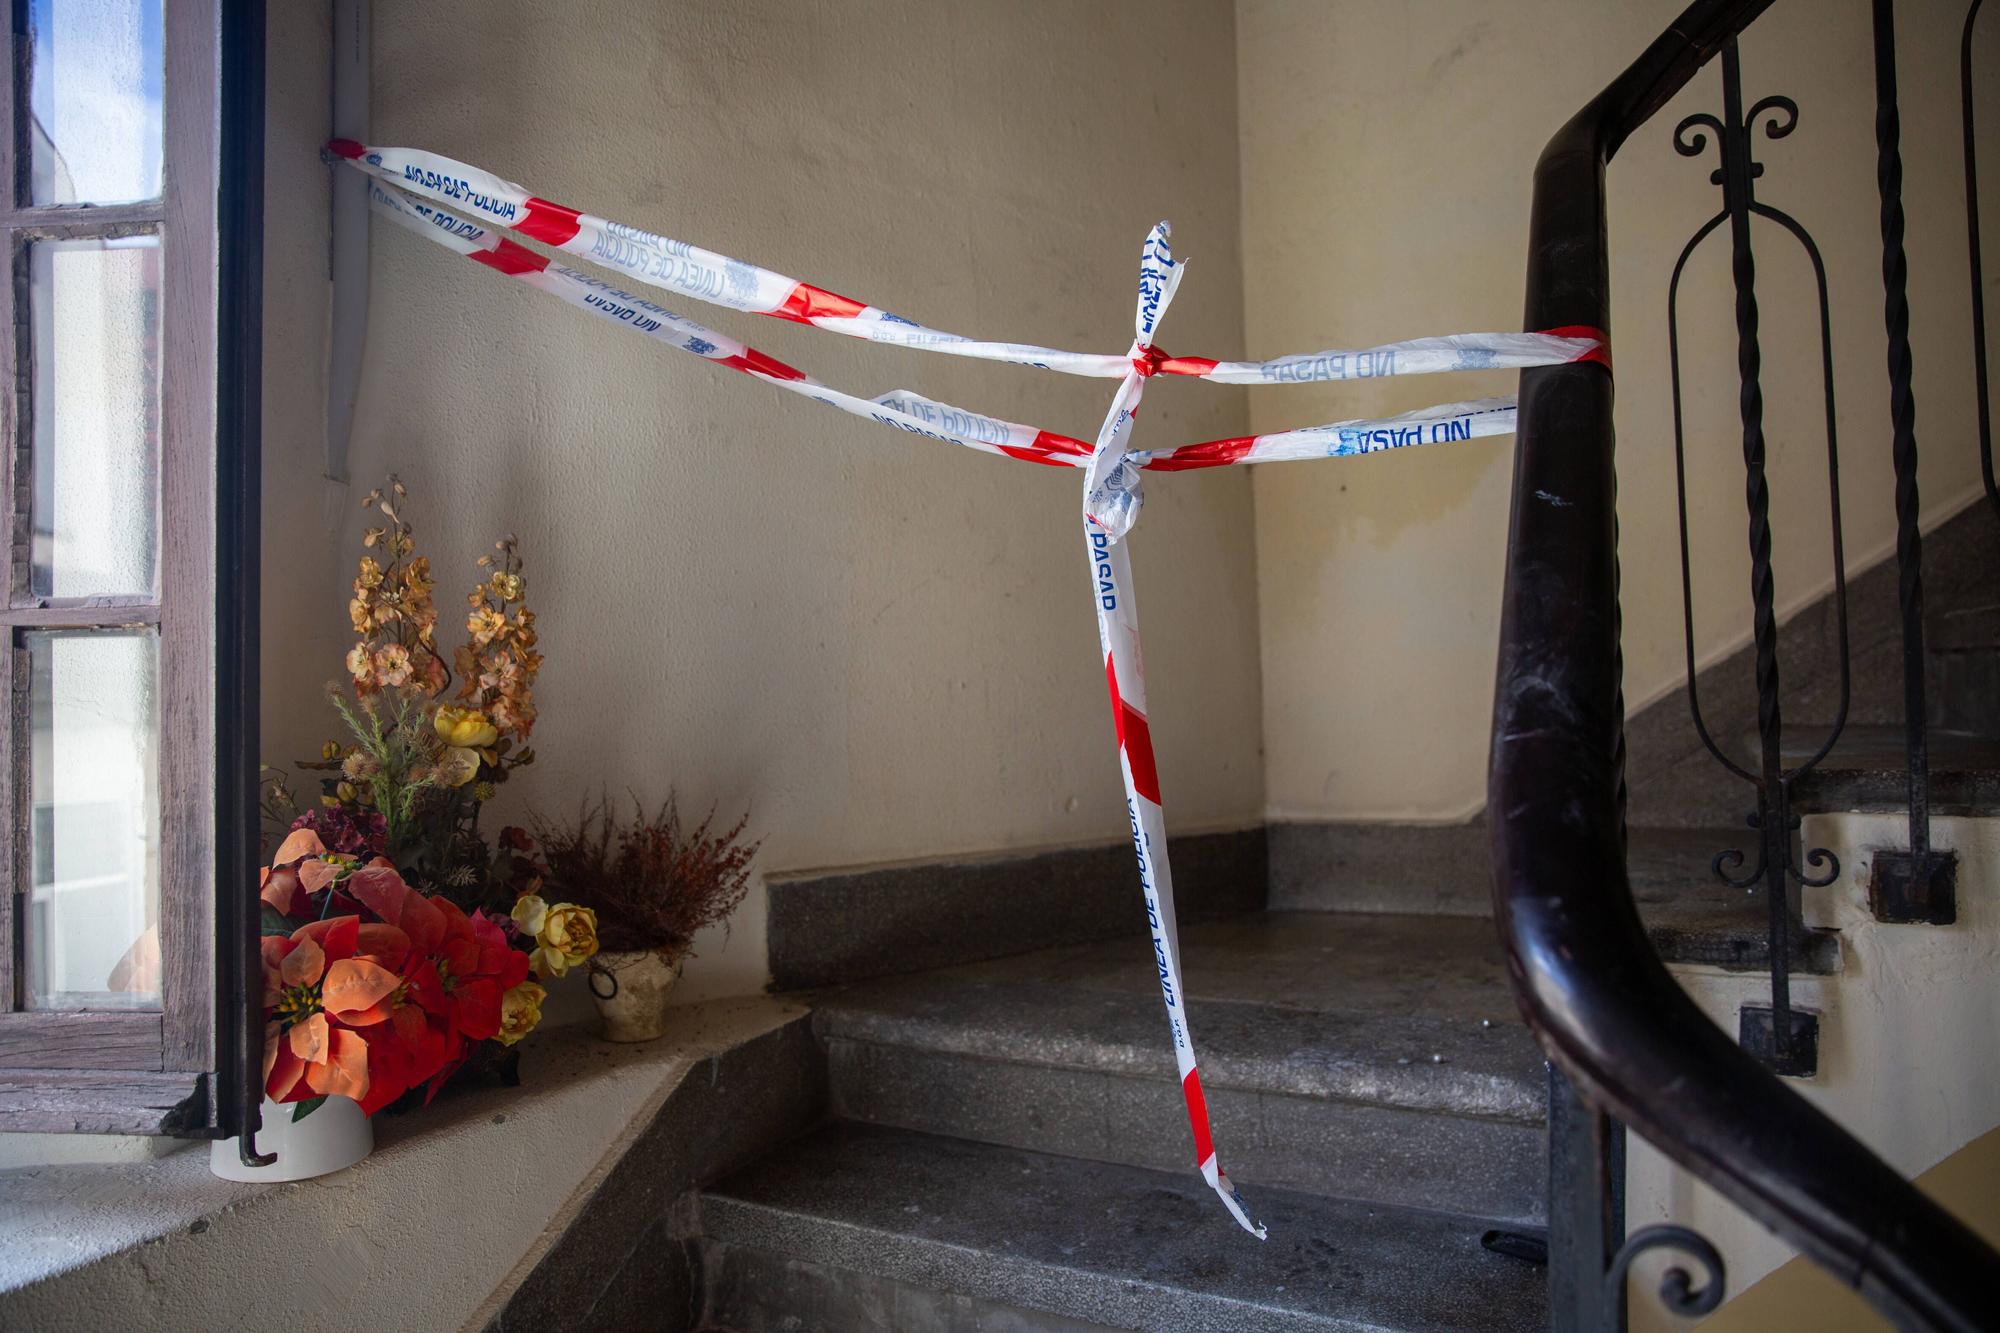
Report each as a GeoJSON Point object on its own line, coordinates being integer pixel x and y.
{"type": "Point", "coordinates": [111, 143]}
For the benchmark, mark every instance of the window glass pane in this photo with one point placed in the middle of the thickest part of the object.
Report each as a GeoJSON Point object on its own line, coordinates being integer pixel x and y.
{"type": "Point", "coordinates": [94, 78]}
{"type": "Point", "coordinates": [93, 748]}
{"type": "Point", "coordinates": [96, 415]}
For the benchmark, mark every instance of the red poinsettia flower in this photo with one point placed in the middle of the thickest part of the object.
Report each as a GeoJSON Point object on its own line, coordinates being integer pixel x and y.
{"type": "Point", "coordinates": [459, 965]}
{"type": "Point", "coordinates": [454, 976]}
{"type": "Point", "coordinates": [321, 983]}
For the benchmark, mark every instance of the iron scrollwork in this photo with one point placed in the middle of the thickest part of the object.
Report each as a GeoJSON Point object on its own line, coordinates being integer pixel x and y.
{"type": "Point", "coordinates": [1677, 1290]}
{"type": "Point", "coordinates": [1772, 821]}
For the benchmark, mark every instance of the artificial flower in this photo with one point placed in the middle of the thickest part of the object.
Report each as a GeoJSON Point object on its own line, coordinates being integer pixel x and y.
{"type": "Point", "coordinates": [485, 625]}
{"type": "Point", "coordinates": [465, 727]}
{"type": "Point", "coordinates": [456, 766]}
{"type": "Point", "coordinates": [392, 665]}
{"type": "Point", "coordinates": [520, 1011]}
{"type": "Point", "coordinates": [322, 982]}
{"type": "Point", "coordinates": [567, 937]}
{"type": "Point", "coordinates": [459, 966]}
{"type": "Point", "coordinates": [281, 883]}
{"type": "Point", "coordinates": [529, 913]}
{"type": "Point", "coordinates": [357, 833]}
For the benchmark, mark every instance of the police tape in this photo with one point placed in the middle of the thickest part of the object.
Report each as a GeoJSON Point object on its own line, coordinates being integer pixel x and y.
{"type": "Point", "coordinates": [909, 411]}
{"type": "Point", "coordinates": [1112, 468]}
{"type": "Point", "coordinates": [705, 275]}
{"type": "Point", "coordinates": [1110, 504]}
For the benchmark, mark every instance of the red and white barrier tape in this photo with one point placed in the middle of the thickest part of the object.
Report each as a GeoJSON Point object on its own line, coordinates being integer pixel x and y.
{"type": "Point", "coordinates": [1110, 504]}
{"type": "Point", "coordinates": [912, 412]}
{"type": "Point", "coordinates": [1112, 469]}
{"type": "Point", "coordinates": [688, 270]}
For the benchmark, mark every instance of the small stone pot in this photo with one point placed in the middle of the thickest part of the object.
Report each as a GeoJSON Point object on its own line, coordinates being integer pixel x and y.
{"type": "Point", "coordinates": [330, 1139]}
{"type": "Point", "coordinates": [631, 991]}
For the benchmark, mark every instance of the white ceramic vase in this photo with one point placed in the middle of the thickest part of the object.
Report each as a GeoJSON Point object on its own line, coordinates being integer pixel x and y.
{"type": "Point", "coordinates": [631, 992]}
{"type": "Point", "coordinates": [332, 1138]}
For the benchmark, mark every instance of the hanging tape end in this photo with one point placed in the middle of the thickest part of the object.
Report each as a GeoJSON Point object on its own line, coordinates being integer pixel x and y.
{"type": "Point", "coordinates": [1232, 1199]}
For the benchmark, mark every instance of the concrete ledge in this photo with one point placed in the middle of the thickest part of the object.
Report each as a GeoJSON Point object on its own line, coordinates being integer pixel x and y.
{"type": "Point", "coordinates": [827, 929]}
{"type": "Point", "coordinates": [421, 1233]}
{"type": "Point", "coordinates": [623, 1242]}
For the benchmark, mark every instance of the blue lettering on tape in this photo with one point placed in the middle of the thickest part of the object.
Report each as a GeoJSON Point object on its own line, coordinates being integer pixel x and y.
{"type": "Point", "coordinates": [459, 191]}
{"type": "Point", "coordinates": [1100, 556]}
{"type": "Point", "coordinates": [1330, 366]}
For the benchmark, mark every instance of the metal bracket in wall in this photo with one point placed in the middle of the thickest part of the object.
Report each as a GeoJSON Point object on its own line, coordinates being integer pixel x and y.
{"type": "Point", "coordinates": [347, 243]}
{"type": "Point", "coordinates": [1757, 1034]}
{"type": "Point", "coordinates": [1897, 893]}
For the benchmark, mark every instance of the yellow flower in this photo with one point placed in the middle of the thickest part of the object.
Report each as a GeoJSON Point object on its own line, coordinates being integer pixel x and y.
{"type": "Point", "coordinates": [529, 912]}
{"type": "Point", "coordinates": [370, 575]}
{"type": "Point", "coordinates": [568, 937]}
{"type": "Point", "coordinates": [506, 586]}
{"type": "Point", "coordinates": [467, 727]}
{"type": "Point", "coordinates": [359, 664]}
{"type": "Point", "coordinates": [485, 624]}
{"type": "Point", "coordinates": [520, 1010]}
{"type": "Point", "coordinates": [457, 766]}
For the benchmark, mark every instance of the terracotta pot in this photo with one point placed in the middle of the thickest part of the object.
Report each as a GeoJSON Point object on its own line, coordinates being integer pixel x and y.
{"type": "Point", "coordinates": [330, 1139]}
{"type": "Point", "coordinates": [631, 992]}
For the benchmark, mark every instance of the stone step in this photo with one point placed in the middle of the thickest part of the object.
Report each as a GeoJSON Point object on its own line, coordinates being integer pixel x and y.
{"type": "Point", "coordinates": [1868, 769]}
{"type": "Point", "coordinates": [1371, 1057]}
{"type": "Point", "coordinates": [862, 1228]}
{"type": "Point", "coordinates": [1441, 869]}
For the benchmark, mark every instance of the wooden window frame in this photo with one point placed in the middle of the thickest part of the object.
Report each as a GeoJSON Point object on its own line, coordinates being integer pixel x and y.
{"type": "Point", "coordinates": [154, 1071]}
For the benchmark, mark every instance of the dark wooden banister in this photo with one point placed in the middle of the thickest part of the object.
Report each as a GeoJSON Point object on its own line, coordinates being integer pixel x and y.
{"type": "Point", "coordinates": [1603, 1006]}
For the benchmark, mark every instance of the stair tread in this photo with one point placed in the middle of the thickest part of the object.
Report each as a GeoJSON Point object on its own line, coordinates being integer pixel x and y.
{"type": "Point", "coordinates": [1118, 1245]}
{"type": "Point", "coordinates": [1884, 747]}
{"type": "Point", "coordinates": [1691, 916]}
{"type": "Point", "coordinates": [1405, 1011]}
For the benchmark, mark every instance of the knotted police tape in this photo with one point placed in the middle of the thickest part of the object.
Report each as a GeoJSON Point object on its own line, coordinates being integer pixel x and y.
{"type": "Point", "coordinates": [405, 178]}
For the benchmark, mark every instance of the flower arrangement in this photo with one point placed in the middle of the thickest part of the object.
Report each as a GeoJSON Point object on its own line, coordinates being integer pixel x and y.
{"type": "Point", "coordinates": [390, 957]}
{"type": "Point", "coordinates": [653, 882]}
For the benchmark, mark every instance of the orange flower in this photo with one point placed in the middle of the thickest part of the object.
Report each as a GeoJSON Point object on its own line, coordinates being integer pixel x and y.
{"type": "Point", "coordinates": [322, 982]}
{"type": "Point", "coordinates": [282, 883]}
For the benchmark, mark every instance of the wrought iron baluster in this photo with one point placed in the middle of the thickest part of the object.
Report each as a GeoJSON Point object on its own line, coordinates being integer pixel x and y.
{"type": "Point", "coordinates": [1790, 1035]}
{"type": "Point", "coordinates": [1984, 402]}
{"type": "Point", "coordinates": [1910, 875]}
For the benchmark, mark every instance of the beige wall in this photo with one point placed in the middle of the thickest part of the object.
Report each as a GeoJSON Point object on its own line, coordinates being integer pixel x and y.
{"type": "Point", "coordinates": [1386, 159]}
{"type": "Point", "coordinates": [883, 645]}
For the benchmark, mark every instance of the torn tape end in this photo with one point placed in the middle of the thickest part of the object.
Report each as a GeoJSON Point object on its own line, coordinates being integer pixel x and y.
{"type": "Point", "coordinates": [1232, 1199]}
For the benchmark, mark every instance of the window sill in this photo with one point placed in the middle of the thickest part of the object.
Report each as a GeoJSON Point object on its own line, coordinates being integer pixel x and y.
{"type": "Point", "coordinates": [454, 1202]}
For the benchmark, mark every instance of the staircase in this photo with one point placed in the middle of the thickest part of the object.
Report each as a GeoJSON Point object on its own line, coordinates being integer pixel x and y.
{"type": "Point", "coordinates": [1005, 1147]}
{"type": "Point", "coordinates": [1008, 1148]}
{"type": "Point", "coordinates": [1011, 1133]}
